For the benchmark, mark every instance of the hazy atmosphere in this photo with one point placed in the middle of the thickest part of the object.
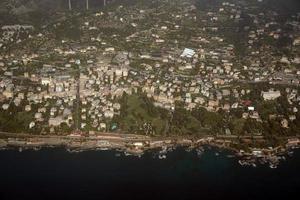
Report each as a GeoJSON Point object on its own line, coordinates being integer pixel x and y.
{"type": "Point", "coordinates": [150, 99]}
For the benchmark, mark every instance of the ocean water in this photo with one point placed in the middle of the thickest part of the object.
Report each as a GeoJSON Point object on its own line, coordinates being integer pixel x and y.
{"type": "Point", "coordinates": [58, 174]}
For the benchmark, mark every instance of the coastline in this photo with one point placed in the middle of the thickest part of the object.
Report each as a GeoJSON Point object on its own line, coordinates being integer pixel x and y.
{"type": "Point", "coordinates": [137, 144]}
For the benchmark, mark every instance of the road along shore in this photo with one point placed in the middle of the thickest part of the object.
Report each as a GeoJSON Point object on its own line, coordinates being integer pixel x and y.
{"type": "Point", "coordinates": [138, 144]}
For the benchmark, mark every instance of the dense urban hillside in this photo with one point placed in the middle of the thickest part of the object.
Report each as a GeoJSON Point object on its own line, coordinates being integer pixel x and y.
{"type": "Point", "coordinates": [159, 68]}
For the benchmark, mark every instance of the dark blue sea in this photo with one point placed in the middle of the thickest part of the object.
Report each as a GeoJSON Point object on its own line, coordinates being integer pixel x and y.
{"type": "Point", "coordinates": [58, 174]}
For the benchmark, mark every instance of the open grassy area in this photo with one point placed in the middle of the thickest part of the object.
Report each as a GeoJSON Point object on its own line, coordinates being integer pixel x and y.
{"type": "Point", "coordinates": [138, 115]}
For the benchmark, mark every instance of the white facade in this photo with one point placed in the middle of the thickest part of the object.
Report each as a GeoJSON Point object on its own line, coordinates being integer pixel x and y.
{"type": "Point", "coordinates": [271, 95]}
{"type": "Point", "coordinates": [189, 53]}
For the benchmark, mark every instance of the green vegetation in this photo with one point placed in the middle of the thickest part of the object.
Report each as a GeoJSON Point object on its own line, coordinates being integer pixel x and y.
{"type": "Point", "coordinates": [15, 121]}
{"type": "Point", "coordinates": [184, 122]}
{"type": "Point", "coordinates": [69, 30]}
{"type": "Point", "coordinates": [139, 115]}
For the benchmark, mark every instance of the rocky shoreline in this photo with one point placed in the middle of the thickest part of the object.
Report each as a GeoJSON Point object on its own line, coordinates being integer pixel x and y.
{"type": "Point", "coordinates": [137, 145]}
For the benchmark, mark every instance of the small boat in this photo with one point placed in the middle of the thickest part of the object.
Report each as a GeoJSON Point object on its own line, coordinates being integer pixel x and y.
{"type": "Point", "coordinates": [162, 156]}
{"type": "Point", "coordinates": [20, 149]}
{"type": "Point", "coordinates": [74, 150]}
{"type": "Point", "coordinates": [282, 158]}
{"type": "Point", "coordinates": [199, 152]}
{"type": "Point", "coordinates": [117, 154]}
{"type": "Point", "coordinates": [272, 166]}
{"type": "Point", "coordinates": [164, 150]}
{"type": "Point", "coordinates": [241, 162]}
{"type": "Point", "coordinates": [37, 148]}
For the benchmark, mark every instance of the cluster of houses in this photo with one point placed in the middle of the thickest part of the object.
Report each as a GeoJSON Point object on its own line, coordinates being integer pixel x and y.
{"type": "Point", "coordinates": [182, 57]}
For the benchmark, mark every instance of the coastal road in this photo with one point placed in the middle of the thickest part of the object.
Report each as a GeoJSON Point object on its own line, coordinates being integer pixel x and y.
{"type": "Point", "coordinates": [126, 137]}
